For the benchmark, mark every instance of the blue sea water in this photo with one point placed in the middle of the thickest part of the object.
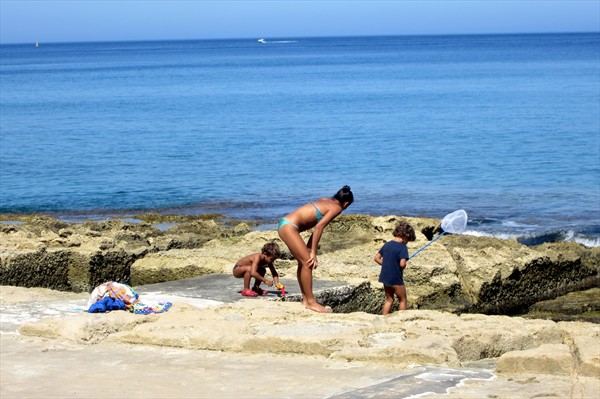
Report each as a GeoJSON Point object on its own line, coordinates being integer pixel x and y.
{"type": "Point", "coordinates": [506, 127]}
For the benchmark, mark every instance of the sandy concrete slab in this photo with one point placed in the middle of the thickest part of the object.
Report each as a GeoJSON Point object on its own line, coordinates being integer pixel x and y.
{"type": "Point", "coordinates": [36, 368]}
{"type": "Point", "coordinates": [165, 356]}
{"type": "Point", "coordinates": [226, 288]}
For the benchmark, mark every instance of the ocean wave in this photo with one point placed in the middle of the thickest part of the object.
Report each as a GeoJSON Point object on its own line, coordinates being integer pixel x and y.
{"type": "Point", "coordinates": [541, 238]}
{"type": "Point", "coordinates": [502, 236]}
{"type": "Point", "coordinates": [582, 239]}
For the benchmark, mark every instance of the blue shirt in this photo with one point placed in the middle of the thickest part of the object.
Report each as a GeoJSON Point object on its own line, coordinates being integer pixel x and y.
{"type": "Point", "coordinates": [391, 273]}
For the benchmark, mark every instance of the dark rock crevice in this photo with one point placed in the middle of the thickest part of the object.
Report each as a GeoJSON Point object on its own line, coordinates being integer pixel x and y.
{"type": "Point", "coordinates": [539, 280]}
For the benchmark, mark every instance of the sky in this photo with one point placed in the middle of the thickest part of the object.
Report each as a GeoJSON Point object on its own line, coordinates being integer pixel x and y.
{"type": "Point", "coordinates": [26, 21]}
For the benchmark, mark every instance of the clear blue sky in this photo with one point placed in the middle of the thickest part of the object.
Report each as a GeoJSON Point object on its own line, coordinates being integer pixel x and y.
{"type": "Point", "coordinates": [23, 21]}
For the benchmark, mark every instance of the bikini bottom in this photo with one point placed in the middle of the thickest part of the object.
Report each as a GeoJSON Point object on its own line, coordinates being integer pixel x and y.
{"type": "Point", "coordinates": [283, 222]}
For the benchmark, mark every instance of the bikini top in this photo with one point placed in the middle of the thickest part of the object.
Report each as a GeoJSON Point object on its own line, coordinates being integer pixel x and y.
{"type": "Point", "coordinates": [319, 214]}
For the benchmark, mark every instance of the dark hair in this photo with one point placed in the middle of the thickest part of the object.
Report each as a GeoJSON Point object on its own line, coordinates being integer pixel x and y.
{"type": "Point", "coordinates": [271, 249]}
{"type": "Point", "coordinates": [344, 195]}
{"type": "Point", "coordinates": [404, 231]}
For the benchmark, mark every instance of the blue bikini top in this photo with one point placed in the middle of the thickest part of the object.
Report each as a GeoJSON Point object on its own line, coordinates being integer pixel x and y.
{"type": "Point", "coordinates": [319, 214]}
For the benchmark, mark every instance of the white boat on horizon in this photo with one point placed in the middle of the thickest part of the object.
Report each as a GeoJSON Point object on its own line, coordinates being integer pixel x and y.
{"type": "Point", "coordinates": [262, 40]}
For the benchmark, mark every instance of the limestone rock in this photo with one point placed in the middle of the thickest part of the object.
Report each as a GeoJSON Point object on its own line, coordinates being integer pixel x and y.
{"type": "Point", "coordinates": [545, 359]}
{"type": "Point", "coordinates": [456, 274]}
{"type": "Point", "coordinates": [425, 337]}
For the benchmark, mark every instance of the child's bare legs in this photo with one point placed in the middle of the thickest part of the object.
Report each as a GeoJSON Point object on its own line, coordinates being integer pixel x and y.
{"type": "Point", "coordinates": [298, 248]}
{"type": "Point", "coordinates": [389, 299]}
{"type": "Point", "coordinates": [397, 290]}
{"type": "Point", "coordinates": [257, 282]}
{"type": "Point", "coordinates": [243, 272]}
{"type": "Point", "coordinates": [401, 294]}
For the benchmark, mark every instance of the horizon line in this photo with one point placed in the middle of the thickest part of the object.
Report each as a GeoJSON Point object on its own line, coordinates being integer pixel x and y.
{"type": "Point", "coordinates": [301, 37]}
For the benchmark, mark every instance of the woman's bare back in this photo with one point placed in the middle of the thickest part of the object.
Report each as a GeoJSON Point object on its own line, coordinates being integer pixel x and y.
{"type": "Point", "coordinates": [305, 217]}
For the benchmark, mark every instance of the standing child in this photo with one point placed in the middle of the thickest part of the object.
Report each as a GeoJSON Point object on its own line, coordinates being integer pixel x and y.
{"type": "Point", "coordinates": [254, 265]}
{"type": "Point", "coordinates": [392, 257]}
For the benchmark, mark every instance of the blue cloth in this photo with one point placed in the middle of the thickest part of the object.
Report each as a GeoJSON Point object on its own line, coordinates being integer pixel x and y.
{"type": "Point", "coordinates": [107, 304]}
{"type": "Point", "coordinates": [391, 273]}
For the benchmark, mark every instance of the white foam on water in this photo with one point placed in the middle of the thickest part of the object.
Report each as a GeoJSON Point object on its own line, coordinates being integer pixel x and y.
{"type": "Point", "coordinates": [569, 236]}
{"type": "Point", "coordinates": [502, 236]}
{"type": "Point", "coordinates": [12, 316]}
{"type": "Point", "coordinates": [420, 395]}
{"type": "Point", "coordinates": [437, 377]}
{"type": "Point", "coordinates": [447, 376]}
{"type": "Point", "coordinates": [587, 241]}
{"type": "Point", "coordinates": [462, 382]}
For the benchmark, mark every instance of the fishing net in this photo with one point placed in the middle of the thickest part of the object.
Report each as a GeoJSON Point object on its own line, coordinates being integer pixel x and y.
{"type": "Point", "coordinates": [455, 222]}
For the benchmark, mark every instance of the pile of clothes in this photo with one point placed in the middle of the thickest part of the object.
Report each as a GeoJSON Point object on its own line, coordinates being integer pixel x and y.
{"type": "Point", "coordinates": [116, 296]}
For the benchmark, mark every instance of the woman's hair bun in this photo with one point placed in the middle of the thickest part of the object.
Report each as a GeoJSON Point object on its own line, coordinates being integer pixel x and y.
{"type": "Point", "coordinates": [344, 195]}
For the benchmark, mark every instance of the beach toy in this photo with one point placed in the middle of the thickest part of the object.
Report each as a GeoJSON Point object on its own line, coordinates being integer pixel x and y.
{"type": "Point", "coordinates": [453, 223]}
{"type": "Point", "coordinates": [281, 288]}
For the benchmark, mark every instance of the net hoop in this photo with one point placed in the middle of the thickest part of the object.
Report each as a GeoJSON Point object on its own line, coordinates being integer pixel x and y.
{"type": "Point", "coordinates": [455, 222]}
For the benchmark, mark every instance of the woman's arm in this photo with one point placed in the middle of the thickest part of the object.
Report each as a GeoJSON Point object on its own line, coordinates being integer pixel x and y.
{"type": "Point", "coordinates": [315, 237]}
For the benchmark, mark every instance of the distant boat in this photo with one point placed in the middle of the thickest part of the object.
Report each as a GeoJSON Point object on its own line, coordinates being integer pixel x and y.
{"type": "Point", "coordinates": [262, 40]}
{"type": "Point", "coordinates": [37, 44]}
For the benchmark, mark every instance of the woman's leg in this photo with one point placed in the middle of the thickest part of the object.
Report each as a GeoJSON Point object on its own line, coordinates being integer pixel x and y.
{"type": "Point", "coordinates": [299, 278]}
{"type": "Point", "coordinates": [389, 299]}
{"type": "Point", "coordinates": [297, 247]}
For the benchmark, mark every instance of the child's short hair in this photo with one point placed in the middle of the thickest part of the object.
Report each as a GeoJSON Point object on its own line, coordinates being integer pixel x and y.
{"type": "Point", "coordinates": [404, 231]}
{"type": "Point", "coordinates": [271, 249]}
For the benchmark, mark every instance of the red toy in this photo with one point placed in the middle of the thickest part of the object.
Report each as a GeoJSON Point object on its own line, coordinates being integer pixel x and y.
{"type": "Point", "coordinates": [281, 288]}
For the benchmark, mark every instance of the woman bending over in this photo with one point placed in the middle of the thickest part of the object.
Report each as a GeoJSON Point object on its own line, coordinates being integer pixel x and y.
{"type": "Point", "coordinates": [316, 214]}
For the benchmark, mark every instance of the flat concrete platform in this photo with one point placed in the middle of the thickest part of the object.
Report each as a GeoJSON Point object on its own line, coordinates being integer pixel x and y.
{"type": "Point", "coordinates": [226, 288]}
{"type": "Point", "coordinates": [33, 368]}
{"type": "Point", "coordinates": [203, 291]}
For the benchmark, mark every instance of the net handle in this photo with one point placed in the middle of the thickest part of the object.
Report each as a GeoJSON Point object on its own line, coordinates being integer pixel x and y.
{"type": "Point", "coordinates": [426, 245]}
{"type": "Point", "coordinates": [451, 230]}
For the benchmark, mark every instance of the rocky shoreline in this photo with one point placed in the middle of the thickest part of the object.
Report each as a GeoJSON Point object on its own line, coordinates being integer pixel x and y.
{"type": "Point", "coordinates": [466, 298]}
{"type": "Point", "coordinates": [459, 274]}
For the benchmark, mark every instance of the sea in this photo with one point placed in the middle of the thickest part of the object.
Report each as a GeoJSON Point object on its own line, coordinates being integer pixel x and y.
{"type": "Point", "coordinates": [506, 127]}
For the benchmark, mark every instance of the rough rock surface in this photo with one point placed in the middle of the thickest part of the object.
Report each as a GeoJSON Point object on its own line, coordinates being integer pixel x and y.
{"type": "Point", "coordinates": [411, 337]}
{"type": "Point", "coordinates": [457, 273]}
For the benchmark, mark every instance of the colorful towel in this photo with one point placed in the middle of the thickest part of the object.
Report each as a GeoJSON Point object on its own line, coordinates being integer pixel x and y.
{"type": "Point", "coordinates": [114, 296]}
{"type": "Point", "coordinates": [115, 291]}
{"type": "Point", "coordinates": [140, 308]}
